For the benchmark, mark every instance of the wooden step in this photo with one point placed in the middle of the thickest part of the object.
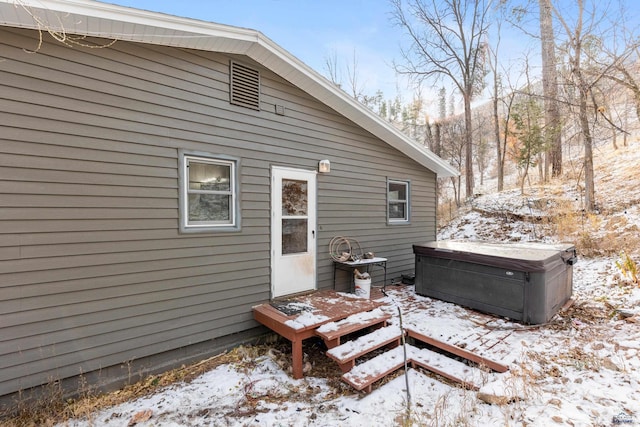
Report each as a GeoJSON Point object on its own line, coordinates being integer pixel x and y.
{"type": "Point", "coordinates": [447, 367]}
{"type": "Point", "coordinates": [362, 376]}
{"type": "Point", "coordinates": [458, 351]}
{"type": "Point", "coordinates": [347, 353]}
{"type": "Point", "coordinates": [332, 332]}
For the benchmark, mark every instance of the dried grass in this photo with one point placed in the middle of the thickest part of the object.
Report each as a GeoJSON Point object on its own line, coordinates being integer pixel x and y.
{"type": "Point", "coordinates": [51, 408]}
{"type": "Point", "coordinates": [447, 210]}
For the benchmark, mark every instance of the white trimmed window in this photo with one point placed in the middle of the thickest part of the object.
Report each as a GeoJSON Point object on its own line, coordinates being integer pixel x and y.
{"type": "Point", "coordinates": [208, 193]}
{"type": "Point", "coordinates": [398, 206]}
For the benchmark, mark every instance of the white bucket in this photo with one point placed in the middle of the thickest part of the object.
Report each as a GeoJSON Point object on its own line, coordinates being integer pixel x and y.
{"type": "Point", "coordinates": [363, 287]}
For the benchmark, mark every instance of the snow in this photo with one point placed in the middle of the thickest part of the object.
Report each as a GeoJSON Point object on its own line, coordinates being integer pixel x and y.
{"type": "Point", "coordinates": [306, 319]}
{"type": "Point", "coordinates": [357, 318]}
{"type": "Point", "coordinates": [580, 369]}
{"type": "Point", "coordinates": [377, 365]}
{"type": "Point", "coordinates": [448, 365]}
{"type": "Point", "coordinates": [352, 348]}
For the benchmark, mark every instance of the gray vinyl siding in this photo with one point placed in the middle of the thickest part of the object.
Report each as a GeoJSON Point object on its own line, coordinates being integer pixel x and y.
{"type": "Point", "coordinates": [93, 269]}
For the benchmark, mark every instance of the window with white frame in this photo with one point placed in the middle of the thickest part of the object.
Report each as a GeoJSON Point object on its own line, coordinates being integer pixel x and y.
{"type": "Point", "coordinates": [398, 206]}
{"type": "Point", "coordinates": [208, 193]}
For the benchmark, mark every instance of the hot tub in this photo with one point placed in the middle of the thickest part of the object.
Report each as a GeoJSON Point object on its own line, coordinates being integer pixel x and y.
{"type": "Point", "coordinates": [527, 282]}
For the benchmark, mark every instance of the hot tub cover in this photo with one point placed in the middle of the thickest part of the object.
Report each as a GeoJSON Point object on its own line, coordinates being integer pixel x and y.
{"type": "Point", "coordinates": [528, 257]}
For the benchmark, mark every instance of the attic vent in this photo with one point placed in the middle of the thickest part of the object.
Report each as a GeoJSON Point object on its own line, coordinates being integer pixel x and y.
{"type": "Point", "coordinates": [245, 86]}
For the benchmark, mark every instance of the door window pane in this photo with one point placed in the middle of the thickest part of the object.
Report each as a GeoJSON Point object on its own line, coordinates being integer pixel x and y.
{"type": "Point", "coordinates": [294, 216]}
{"type": "Point", "coordinates": [294, 236]}
{"type": "Point", "coordinates": [294, 198]}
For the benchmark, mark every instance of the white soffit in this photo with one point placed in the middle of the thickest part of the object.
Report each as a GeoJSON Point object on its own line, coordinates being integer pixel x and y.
{"type": "Point", "coordinates": [92, 18]}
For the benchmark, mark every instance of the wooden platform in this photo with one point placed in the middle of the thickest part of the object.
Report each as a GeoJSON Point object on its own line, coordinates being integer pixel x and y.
{"type": "Point", "coordinates": [318, 308]}
{"type": "Point", "coordinates": [356, 329]}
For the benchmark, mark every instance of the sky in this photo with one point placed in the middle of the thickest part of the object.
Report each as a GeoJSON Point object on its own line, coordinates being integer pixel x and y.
{"type": "Point", "coordinates": [316, 31]}
{"type": "Point", "coordinates": [312, 30]}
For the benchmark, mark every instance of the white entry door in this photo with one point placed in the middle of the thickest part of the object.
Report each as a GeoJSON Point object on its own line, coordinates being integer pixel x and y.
{"type": "Point", "coordinates": [293, 231]}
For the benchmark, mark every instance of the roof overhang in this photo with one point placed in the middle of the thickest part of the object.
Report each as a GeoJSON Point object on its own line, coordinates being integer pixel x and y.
{"type": "Point", "coordinates": [92, 18]}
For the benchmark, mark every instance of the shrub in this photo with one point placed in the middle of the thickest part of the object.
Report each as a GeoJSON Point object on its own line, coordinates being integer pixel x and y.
{"type": "Point", "coordinates": [628, 267]}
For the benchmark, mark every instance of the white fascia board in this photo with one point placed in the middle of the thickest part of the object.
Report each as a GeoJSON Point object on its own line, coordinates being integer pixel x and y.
{"type": "Point", "coordinates": [92, 18]}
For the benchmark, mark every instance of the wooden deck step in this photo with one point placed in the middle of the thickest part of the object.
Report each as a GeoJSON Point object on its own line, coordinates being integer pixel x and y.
{"type": "Point", "coordinates": [447, 367]}
{"type": "Point", "coordinates": [362, 376]}
{"type": "Point", "coordinates": [347, 353]}
{"type": "Point", "coordinates": [458, 351]}
{"type": "Point", "coordinates": [332, 332]}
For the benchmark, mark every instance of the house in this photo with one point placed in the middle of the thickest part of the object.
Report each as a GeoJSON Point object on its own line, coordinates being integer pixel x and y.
{"type": "Point", "coordinates": [159, 177]}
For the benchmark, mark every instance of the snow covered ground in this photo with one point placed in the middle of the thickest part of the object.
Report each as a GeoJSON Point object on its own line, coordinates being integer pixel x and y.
{"type": "Point", "coordinates": [581, 369]}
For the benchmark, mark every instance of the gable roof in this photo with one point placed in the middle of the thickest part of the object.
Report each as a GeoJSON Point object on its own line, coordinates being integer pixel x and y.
{"type": "Point", "coordinates": [92, 18]}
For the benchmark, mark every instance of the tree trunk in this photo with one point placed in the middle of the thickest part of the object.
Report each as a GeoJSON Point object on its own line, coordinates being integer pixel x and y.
{"type": "Point", "coordinates": [428, 137]}
{"type": "Point", "coordinates": [636, 94]}
{"type": "Point", "coordinates": [583, 114]}
{"type": "Point", "coordinates": [438, 139]}
{"type": "Point", "coordinates": [550, 88]}
{"type": "Point", "coordinates": [454, 184]}
{"type": "Point", "coordinates": [468, 161]}
{"type": "Point", "coordinates": [589, 190]}
{"type": "Point", "coordinates": [496, 129]}
{"type": "Point", "coordinates": [587, 139]}
{"type": "Point", "coordinates": [525, 173]}
{"type": "Point", "coordinates": [625, 122]}
{"type": "Point", "coordinates": [542, 169]}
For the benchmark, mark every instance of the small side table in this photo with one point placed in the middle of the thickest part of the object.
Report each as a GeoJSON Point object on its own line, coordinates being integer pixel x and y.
{"type": "Point", "coordinates": [362, 263]}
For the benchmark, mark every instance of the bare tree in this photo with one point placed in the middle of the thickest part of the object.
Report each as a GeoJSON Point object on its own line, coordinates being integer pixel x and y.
{"type": "Point", "coordinates": [334, 73]}
{"type": "Point", "coordinates": [448, 40]}
{"type": "Point", "coordinates": [623, 52]}
{"type": "Point", "coordinates": [495, 101]}
{"type": "Point", "coordinates": [331, 68]}
{"type": "Point", "coordinates": [527, 120]}
{"type": "Point", "coordinates": [584, 34]}
{"type": "Point", "coordinates": [550, 90]}
{"type": "Point", "coordinates": [483, 132]}
{"type": "Point", "coordinates": [612, 119]}
{"type": "Point", "coordinates": [575, 39]}
{"type": "Point", "coordinates": [442, 103]}
{"type": "Point", "coordinates": [452, 139]}
{"type": "Point", "coordinates": [352, 75]}
{"type": "Point", "coordinates": [626, 73]}
{"type": "Point", "coordinates": [434, 135]}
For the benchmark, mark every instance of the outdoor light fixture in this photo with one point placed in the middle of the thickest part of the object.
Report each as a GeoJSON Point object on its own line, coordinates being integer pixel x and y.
{"type": "Point", "coordinates": [324, 166]}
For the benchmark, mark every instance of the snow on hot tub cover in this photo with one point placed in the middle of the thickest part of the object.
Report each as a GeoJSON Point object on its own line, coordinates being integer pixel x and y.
{"type": "Point", "coordinates": [527, 257]}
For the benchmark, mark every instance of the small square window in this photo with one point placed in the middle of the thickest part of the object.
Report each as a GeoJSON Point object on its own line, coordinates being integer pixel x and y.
{"type": "Point", "coordinates": [208, 193]}
{"type": "Point", "coordinates": [398, 207]}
